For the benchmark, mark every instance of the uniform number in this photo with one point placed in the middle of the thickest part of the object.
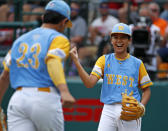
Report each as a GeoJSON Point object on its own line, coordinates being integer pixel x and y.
{"type": "Point", "coordinates": [34, 61]}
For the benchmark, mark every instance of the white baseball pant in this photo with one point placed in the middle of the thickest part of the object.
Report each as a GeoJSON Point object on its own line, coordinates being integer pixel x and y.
{"type": "Point", "coordinates": [32, 110]}
{"type": "Point", "coordinates": [110, 120]}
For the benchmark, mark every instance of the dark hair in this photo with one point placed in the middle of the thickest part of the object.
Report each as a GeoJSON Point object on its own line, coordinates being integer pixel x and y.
{"type": "Point", "coordinates": [102, 45]}
{"type": "Point", "coordinates": [129, 37]}
{"type": "Point", "coordinates": [52, 17]}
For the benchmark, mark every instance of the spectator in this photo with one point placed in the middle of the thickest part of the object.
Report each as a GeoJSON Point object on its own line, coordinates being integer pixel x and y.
{"type": "Point", "coordinates": [77, 36]}
{"type": "Point", "coordinates": [164, 14]}
{"type": "Point", "coordinates": [161, 23]}
{"type": "Point", "coordinates": [144, 23]}
{"type": "Point", "coordinates": [4, 9]}
{"type": "Point", "coordinates": [122, 15]}
{"type": "Point", "coordinates": [26, 8]}
{"type": "Point", "coordinates": [102, 25]}
{"type": "Point", "coordinates": [128, 12]}
{"type": "Point", "coordinates": [79, 29]}
{"type": "Point", "coordinates": [154, 31]}
{"type": "Point", "coordinates": [162, 58]}
{"type": "Point", "coordinates": [37, 17]}
{"type": "Point", "coordinates": [7, 15]}
{"type": "Point", "coordinates": [6, 34]}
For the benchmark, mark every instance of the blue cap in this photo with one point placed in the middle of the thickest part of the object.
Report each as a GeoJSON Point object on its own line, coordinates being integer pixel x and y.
{"type": "Point", "coordinates": [60, 7]}
{"type": "Point", "coordinates": [121, 28]}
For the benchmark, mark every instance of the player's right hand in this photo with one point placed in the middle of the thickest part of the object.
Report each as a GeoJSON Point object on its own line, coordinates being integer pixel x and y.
{"type": "Point", "coordinates": [74, 54]}
{"type": "Point", "coordinates": [67, 100]}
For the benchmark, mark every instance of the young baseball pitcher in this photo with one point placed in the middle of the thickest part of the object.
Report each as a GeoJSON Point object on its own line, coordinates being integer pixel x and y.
{"type": "Point", "coordinates": [123, 75]}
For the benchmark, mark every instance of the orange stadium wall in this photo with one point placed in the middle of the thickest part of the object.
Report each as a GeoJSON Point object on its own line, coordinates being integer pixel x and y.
{"type": "Point", "coordinates": [87, 110]}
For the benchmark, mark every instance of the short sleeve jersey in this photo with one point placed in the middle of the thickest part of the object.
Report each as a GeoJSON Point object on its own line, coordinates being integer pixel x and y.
{"type": "Point", "coordinates": [118, 75]}
{"type": "Point", "coordinates": [29, 54]}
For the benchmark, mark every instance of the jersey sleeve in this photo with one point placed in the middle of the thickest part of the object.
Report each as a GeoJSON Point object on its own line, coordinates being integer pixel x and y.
{"type": "Point", "coordinates": [59, 48]}
{"type": "Point", "coordinates": [98, 69]}
{"type": "Point", "coordinates": [144, 80]}
{"type": "Point", "coordinates": [7, 61]}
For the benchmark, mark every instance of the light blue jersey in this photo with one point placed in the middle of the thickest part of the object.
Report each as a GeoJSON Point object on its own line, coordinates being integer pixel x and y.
{"type": "Point", "coordinates": [118, 76]}
{"type": "Point", "coordinates": [28, 54]}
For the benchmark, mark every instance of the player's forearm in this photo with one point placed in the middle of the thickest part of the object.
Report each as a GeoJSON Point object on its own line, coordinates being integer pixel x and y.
{"type": "Point", "coordinates": [4, 83]}
{"type": "Point", "coordinates": [56, 73]}
{"type": "Point", "coordinates": [84, 75]}
{"type": "Point", "coordinates": [146, 96]}
{"type": "Point", "coordinates": [63, 88]}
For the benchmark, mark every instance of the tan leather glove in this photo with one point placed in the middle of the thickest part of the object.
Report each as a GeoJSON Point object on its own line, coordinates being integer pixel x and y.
{"type": "Point", "coordinates": [131, 108]}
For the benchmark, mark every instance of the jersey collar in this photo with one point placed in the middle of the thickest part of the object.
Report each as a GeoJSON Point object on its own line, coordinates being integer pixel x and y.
{"type": "Point", "coordinates": [128, 55]}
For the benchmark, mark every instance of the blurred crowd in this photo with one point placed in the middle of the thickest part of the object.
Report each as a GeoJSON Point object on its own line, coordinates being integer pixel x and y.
{"type": "Point", "coordinates": [92, 23]}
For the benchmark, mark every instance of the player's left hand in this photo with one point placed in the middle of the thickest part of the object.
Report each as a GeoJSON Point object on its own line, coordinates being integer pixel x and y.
{"type": "Point", "coordinates": [132, 109]}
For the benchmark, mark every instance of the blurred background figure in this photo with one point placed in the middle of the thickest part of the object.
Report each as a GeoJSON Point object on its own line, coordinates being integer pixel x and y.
{"type": "Point", "coordinates": [161, 23]}
{"type": "Point", "coordinates": [92, 22]}
{"type": "Point", "coordinates": [78, 34]}
{"type": "Point", "coordinates": [145, 40]}
{"type": "Point", "coordinates": [162, 58]}
{"type": "Point", "coordinates": [128, 8]}
{"type": "Point", "coordinates": [7, 15]}
{"type": "Point", "coordinates": [79, 29]}
{"type": "Point", "coordinates": [37, 17]}
{"type": "Point", "coordinates": [164, 13]}
{"type": "Point", "coordinates": [102, 25]}
{"type": "Point", "coordinates": [122, 13]}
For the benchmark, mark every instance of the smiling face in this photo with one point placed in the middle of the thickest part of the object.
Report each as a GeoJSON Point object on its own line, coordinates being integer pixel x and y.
{"type": "Point", "coordinates": [120, 43]}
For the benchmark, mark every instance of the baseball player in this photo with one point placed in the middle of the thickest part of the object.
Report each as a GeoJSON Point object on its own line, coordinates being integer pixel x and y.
{"type": "Point", "coordinates": [120, 71]}
{"type": "Point", "coordinates": [35, 66]}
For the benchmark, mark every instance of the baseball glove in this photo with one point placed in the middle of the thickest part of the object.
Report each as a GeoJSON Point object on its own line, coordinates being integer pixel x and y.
{"type": "Point", "coordinates": [3, 125]}
{"type": "Point", "coordinates": [131, 108]}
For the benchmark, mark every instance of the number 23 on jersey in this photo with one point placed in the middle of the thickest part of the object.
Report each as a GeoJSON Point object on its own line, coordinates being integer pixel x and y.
{"type": "Point", "coordinates": [32, 60]}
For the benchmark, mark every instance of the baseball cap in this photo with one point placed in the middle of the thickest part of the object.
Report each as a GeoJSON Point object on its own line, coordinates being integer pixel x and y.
{"type": "Point", "coordinates": [60, 7]}
{"type": "Point", "coordinates": [121, 28]}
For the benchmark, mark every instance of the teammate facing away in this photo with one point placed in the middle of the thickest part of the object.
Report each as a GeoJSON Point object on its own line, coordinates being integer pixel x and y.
{"type": "Point", "coordinates": [119, 71]}
{"type": "Point", "coordinates": [35, 67]}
